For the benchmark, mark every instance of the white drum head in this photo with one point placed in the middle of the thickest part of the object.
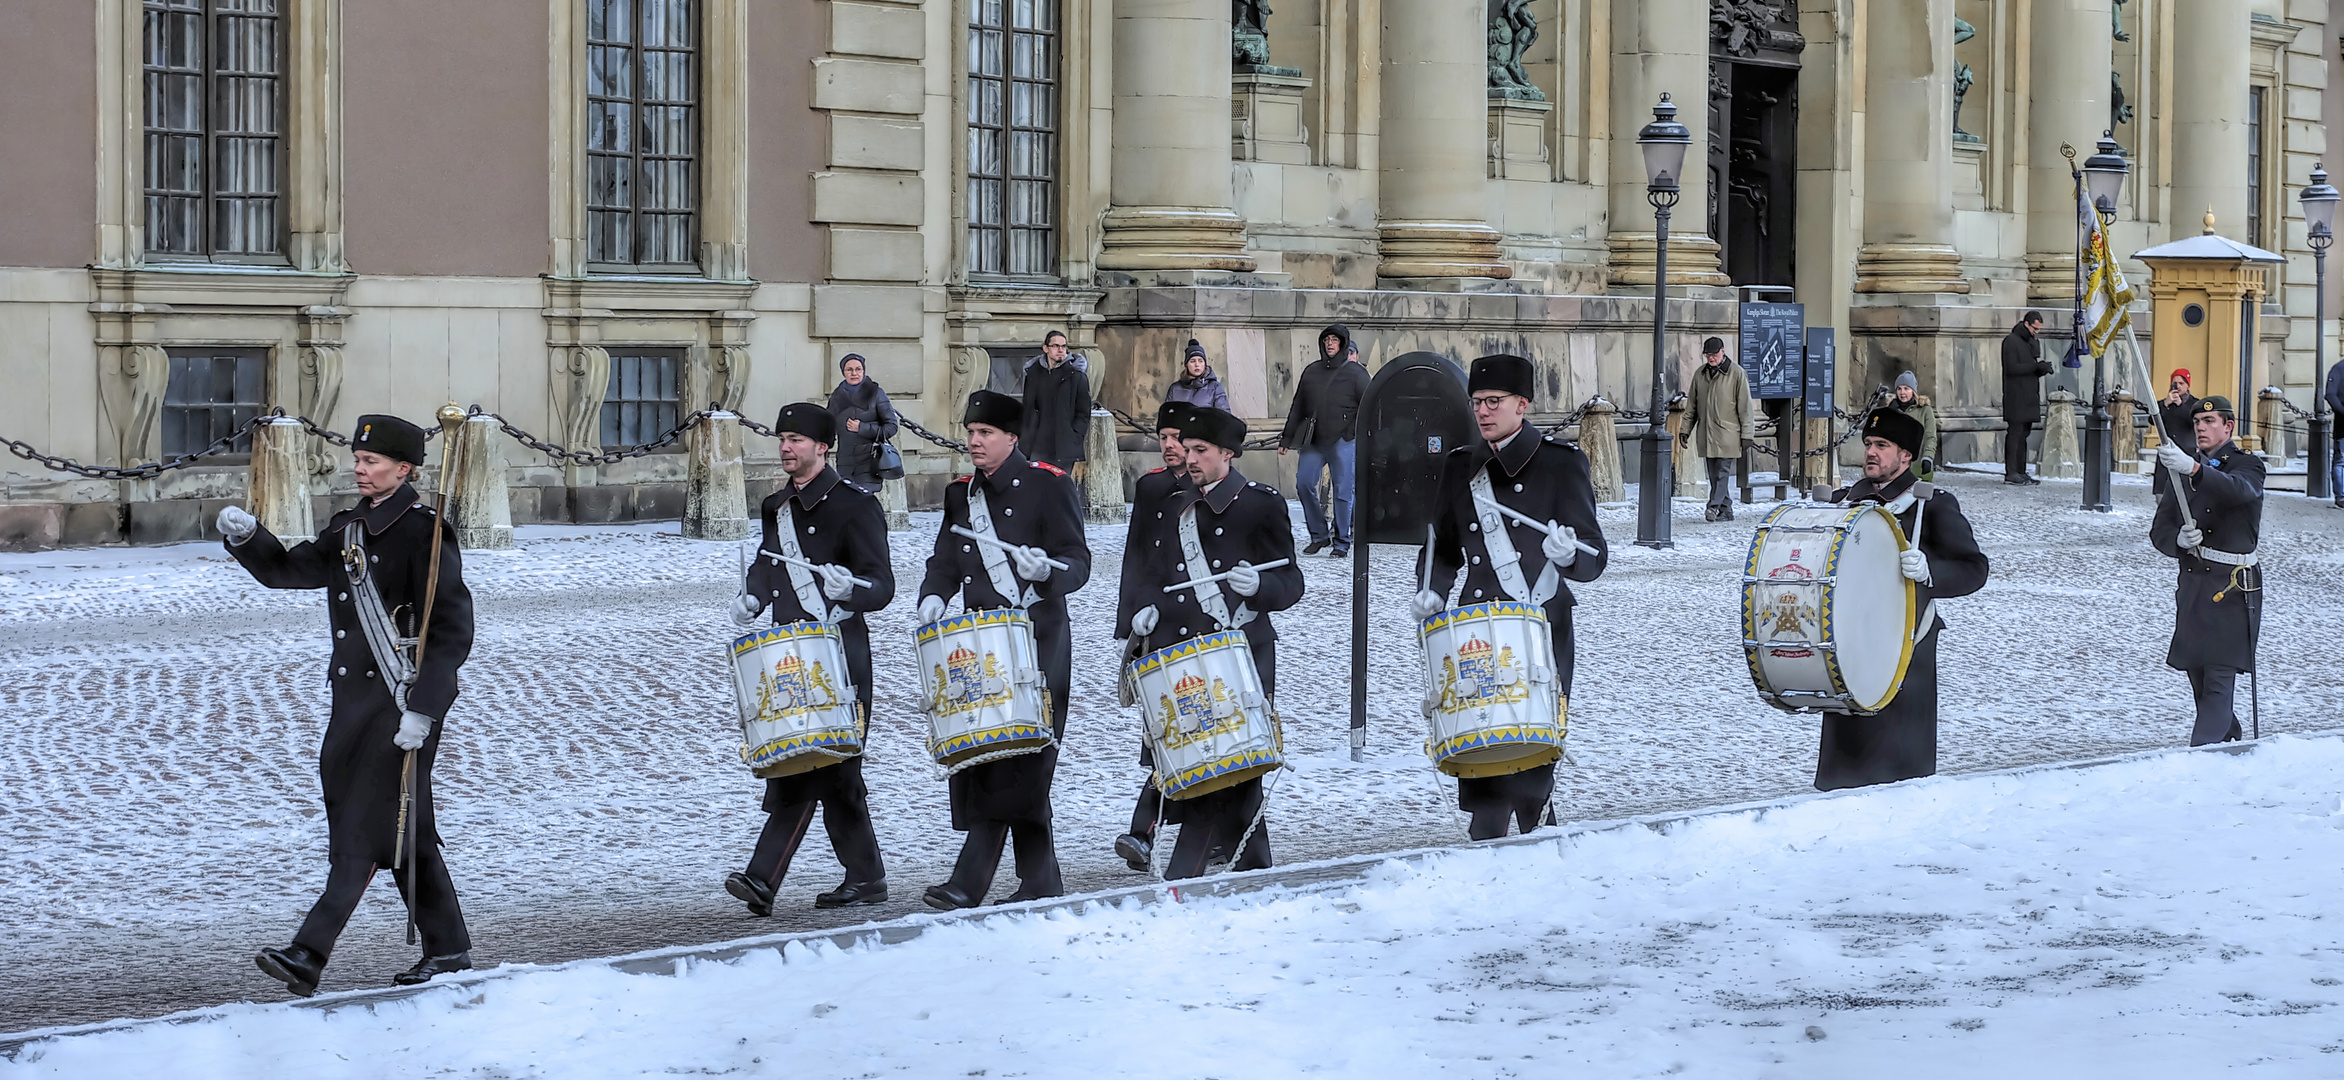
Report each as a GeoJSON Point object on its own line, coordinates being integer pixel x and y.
{"type": "Point", "coordinates": [1869, 617]}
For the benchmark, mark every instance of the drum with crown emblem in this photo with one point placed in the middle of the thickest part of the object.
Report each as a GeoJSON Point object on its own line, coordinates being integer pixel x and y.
{"type": "Point", "coordinates": [1827, 617]}
{"type": "Point", "coordinates": [1204, 715]}
{"type": "Point", "coordinates": [797, 703]}
{"type": "Point", "coordinates": [983, 688]}
{"type": "Point", "coordinates": [1491, 694]}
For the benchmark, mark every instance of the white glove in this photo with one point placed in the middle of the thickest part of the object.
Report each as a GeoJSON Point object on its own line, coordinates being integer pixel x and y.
{"type": "Point", "coordinates": [1562, 544]}
{"type": "Point", "coordinates": [1143, 621]}
{"type": "Point", "coordinates": [931, 610]}
{"type": "Point", "coordinates": [1427, 604]}
{"type": "Point", "coordinates": [237, 525]}
{"type": "Point", "coordinates": [2191, 538]}
{"type": "Point", "coordinates": [837, 582]}
{"type": "Point", "coordinates": [2169, 456]}
{"type": "Point", "coordinates": [414, 727]}
{"type": "Point", "coordinates": [744, 609]}
{"type": "Point", "coordinates": [1914, 564]}
{"type": "Point", "coordinates": [1033, 564]}
{"type": "Point", "coordinates": [1245, 579]}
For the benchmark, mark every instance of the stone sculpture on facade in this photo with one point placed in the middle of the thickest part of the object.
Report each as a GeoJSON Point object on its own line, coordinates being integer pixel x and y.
{"type": "Point", "coordinates": [1963, 78]}
{"type": "Point", "coordinates": [1745, 27]}
{"type": "Point", "coordinates": [1249, 33]}
{"type": "Point", "coordinates": [1512, 30]}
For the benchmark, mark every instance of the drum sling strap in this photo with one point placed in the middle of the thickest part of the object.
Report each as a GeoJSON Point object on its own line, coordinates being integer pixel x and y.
{"type": "Point", "coordinates": [996, 559]}
{"type": "Point", "coordinates": [391, 651]}
{"type": "Point", "coordinates": [801, 580]}
{"type": "Point", "coordinates": [1504, 561]}
{"type": "Point", "coordinates": [1916, 499]}
{"type": "Point", "coordinates": [1208, 594]}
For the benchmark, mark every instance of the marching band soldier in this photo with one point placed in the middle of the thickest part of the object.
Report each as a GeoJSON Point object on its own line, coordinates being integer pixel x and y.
{"type": "Point", "coordinates": [1154, 487]}
{"type": "Point", "coordinates": [1900, 741]}
{"type": "Point", "coordinates": [374, 562]}
{"type": "Point", "coordinates": [1547, 479]}
{"type": "Point", "coordinates": [1217, 523]}
{"type": "Point", "coordinates": [1032, 505]}
{"type": "Point", "coordinates": [2218, 602]}
{"type": "Point", "coordinates": [841, 529]}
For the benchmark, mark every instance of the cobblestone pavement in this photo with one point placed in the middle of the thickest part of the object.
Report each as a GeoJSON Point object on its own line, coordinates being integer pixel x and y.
{"type": "Point", "coordinates": [158, 792]}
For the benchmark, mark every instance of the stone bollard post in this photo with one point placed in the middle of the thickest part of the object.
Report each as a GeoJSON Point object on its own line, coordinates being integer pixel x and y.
{"type": "Point", "coordinates": [280, 478]}
{"type": "Point", "coordinates": [2267, 438]}
{"type": "Point", "coordinates": [2060, 459]}
{"type": "Point", "coordinates": [1102, 481]}
{"type": "Point", "coordinates": [896, 503]}
{"type": "Point", "coordinates": [1599, 436]}
{"type": "Point", "coordinates": [1692, 483]}
{"type": "Point", "coordinates": [716, 502]}
{"type": "Point", "coordinates": [482, 511]}
{"type": "Point", "coordinates": [2124, 442]}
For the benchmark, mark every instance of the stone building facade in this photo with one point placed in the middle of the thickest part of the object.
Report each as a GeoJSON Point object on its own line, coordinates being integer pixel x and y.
{"type": "Point", "coordinates": [592, 216]}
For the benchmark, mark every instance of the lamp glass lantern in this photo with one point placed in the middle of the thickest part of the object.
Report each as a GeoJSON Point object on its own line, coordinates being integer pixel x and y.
{"type": "Point", "coordinates": [2319, 203]}
{"type": "Point", "coordinates": [1664, 142]}
{"type": "Point", "coordinates": [2104, 174]}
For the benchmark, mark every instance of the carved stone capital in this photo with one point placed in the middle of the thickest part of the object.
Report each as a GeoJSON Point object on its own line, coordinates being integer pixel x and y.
{"type": "Point", "coordinates": [1173, 238]}
{"type": "Point", "coordinates": [1439, 249]}
{"type": "Point", "coordinates": [1909, 268]}
{"type": "Point", "coordinates": [130, 386]}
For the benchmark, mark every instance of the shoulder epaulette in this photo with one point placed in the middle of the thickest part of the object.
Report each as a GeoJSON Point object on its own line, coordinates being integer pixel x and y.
{"type": "Point", "coordinates": [1051, 468]}
{"type": "Point", "coordinates": [964, 479]}
{"type": "Point", "coordinates": [1154, 471]}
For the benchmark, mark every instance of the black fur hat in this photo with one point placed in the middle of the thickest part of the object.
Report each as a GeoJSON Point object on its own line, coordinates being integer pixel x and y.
{"type": "Point", "coordinates": [391, 437]}
{"type": "Point", "coordinates": [995, 410]}
{"type": "Point", "coordinates": [808, 419]}
{"type": "Point", "coordinates": [1512, 374]}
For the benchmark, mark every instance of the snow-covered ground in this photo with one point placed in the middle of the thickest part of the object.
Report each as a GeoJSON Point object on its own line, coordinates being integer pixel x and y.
{"type": "Point", "coordinates": [2165, 916]}
{"type": "Point", "coordinates": [158, 792]}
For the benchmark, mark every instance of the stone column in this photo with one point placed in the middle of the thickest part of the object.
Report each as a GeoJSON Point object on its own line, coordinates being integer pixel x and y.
{"type": "Point", "coordinates": [1169, 192]}
{"type": "Point", "coordinates": [1432, 191]}
{"type": "Point", "coordinates": [2212, 49]}
{"type": "Point", "coordinates": [1659, 46]}
{"type": "Point", "coordinates": [715, 500]}
{"type": "Point", "coordinates": [280, 478]}
{"type": "Point", "coordinates": [1908, 148]}
{"type": "Point", "coordinates": [2068, 103]}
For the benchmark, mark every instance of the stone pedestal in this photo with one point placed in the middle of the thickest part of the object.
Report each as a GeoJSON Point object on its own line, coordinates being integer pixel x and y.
{"type": "Point", "coordinates": [481, 511]}
{"type": "Point", "coordinates": [1517, 139]}
{"type": "Point", "coordinates": [2123, 440]}
{"type": "Point", "coordinates": [280, 478]}
{"type": "Point", "coordinates": [1102, 482]}
{"type": "Point", "coordinates": [897, 505]}
{"type": "Point", "coordinates": [1265, 118]}
{"type": "Point", "coordinates": [1599, 436]}
{"type": "Point", "coordinates": [716, 505]}
{"type": "Point", "coordinates": [2060, 458]}
{"type": "Point", "coordinates": [1691, 476]}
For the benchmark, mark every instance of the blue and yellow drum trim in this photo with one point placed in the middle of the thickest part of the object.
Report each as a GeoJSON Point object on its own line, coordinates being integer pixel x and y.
{"type": "Point", "coordinates": [1230, 771]}
{"type": "Point", "coordinates": [987, 617]}
{"type": "Point", "coordinates": [1750, 585]}
{"type": "Point", "coordinates": [1440, 620]}
{"type": "Point", "coordinates": [766, 761]}
{"type": "Point", "coordinates": [785, 632]}
{"type": "Point", "coordinates": [1152, 662]}
{"type": "Point", "coordinates": [959, 746]}
{"type": "Point", "coordinates": [1534, 736]}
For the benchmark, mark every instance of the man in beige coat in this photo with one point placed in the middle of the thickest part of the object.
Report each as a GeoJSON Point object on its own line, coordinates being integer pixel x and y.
{"type": "Point", "coordinates": [1717, 411]}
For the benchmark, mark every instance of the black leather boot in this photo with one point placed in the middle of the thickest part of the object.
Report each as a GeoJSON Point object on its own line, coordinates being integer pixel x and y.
{"type": "Point", "coordinates": [853, 893]}
{"type": "Point", "coordinates": [1135, 851]}
{"type": "Point", "coordinates": [429, 966]}
{"type": "Point", "coordinates": [948, 897]}
{"type": "Point", "coordinates": [297, 966]}
{"type": "Point", "coordinates": [757, 894]}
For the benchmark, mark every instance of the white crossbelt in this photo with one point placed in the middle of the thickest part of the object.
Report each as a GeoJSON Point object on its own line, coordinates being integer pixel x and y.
{"type": "Point", "coordinates": [1208, 594]}
{"type": "Point", "coordinates": [801, 580]}
{"type": "Point", "coordinates": [1504, 561]}
{"type": "Point", "coordinates": [374, 622]}
{"type": "Point", "coordinates": [995, 557]}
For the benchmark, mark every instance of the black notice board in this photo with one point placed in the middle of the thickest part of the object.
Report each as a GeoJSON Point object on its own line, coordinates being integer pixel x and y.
{"type": "Point", "coordinates": [1773, 341]}
{"type": "Point", "coordinates": [1414, 413]}
{"type": "Point", "coordinates": [1822, 363]}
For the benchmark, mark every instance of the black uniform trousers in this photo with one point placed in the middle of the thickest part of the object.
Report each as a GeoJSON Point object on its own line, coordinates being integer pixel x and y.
{"type": "Point", "coordinates": [1211, 823]}
{"type": "Point", "coordinates": [2014, 449]}
{"type": "Point", "coordinates": [838, 790]}
{"type": "Point", "coordinates": [1521, 798]}
{"type": "Point", "coordinates": [2215, 689]}
{"type": "Point", "coordinates": [1012, 795]}
{"type": "Point", "coordinates": [424, 886]}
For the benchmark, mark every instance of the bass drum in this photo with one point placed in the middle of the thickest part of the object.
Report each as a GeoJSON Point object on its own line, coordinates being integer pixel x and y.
{"type": "Point", "coordinates": [984, 689]}
{"type": "Point", "coordinates": [1827, 617]}
{"type": "Point", "coordinates": [1491, 693]}
{"type": "Point", "coordinates": [797, 703]}
{"type": "Point", "coordinates": [1203, 714]}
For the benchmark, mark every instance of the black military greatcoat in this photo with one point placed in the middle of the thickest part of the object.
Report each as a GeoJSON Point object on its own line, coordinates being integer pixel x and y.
{"type": "Point", "coordinates": [1900, 742]}
{"type": "Point", "coordinates": [1547, 479]}
{"type": "Point", "coordinates": [1034, 504]}
{"type": "Point", "coordinates": [358, 764]}
{"type": "Point", "coordinates": [1147, 512]}
{"type": "Point", "coordinates": [838, 524]}
{"type": "Point", "coordinates": [2226, 501]}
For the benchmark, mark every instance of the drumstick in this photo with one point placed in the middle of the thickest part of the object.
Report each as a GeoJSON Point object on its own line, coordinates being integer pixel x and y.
{"type": "Point", "coordinates": [1004, 545]}
{"type": "Point", "coordinates": [1194, 582]}
{"type": "Point", "coordinates": [781, 558]}
{"type": "Point", "coordinates": [1540, 526]}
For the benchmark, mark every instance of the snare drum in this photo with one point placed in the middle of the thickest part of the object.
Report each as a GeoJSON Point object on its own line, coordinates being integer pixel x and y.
{"type": "Point", "coordinates": [1204, 715]}
{"type": "Point", "coordinates": [1827, 616]}
{"type": "Point", "coordinates": [797, 703]}
{"type": "Point", "coordinates": [1492, 693]}
{"type": "Point", "coordinates": [984, 685]}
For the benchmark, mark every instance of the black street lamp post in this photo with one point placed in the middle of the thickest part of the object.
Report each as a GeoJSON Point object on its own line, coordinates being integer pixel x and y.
{"type": "Point", "coordinates": [2102, 178]}
{"type": "Point", "coordinates": [1663, 142]}
{"type": "Point", "coordinates": [2319, 215]}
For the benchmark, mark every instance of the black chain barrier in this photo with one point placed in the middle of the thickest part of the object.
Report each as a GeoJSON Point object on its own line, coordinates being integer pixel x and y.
{"type": "Point", "coordinates": [607, 457]}
{"type": "Point", "coordinates": [948, 444]}
{"type": "Point", "coordinates": [153, 469]}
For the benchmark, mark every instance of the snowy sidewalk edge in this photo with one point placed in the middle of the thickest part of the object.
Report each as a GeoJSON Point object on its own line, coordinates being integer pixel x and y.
{"type": "Point", "coordinates": [1299, 879]}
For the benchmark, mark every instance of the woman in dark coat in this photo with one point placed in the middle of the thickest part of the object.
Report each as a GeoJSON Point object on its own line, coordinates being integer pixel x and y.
{"type": "Point", "coordinates": [1197, 385]}
{"type": "Point", "coordinates": [866, 420]}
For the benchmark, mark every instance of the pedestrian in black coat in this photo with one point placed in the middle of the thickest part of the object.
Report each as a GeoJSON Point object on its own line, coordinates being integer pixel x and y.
{"type": "Point", "coordinates": [1237, 526]}
{"type": "Point", "coordinates": [1153, 488]}
{"type": "Point", "coordinates": [841, 527]}
{"type": "Point", "coordinates": [1055, 419]}
{"type": "Point", "coordinates": [1546, 479]}
{"type": "Point", "coordinates": [2023, 368]}
{"type": "Point", "coordinates": [2218, 599]}
{"type": "Point", "coordinates": [1900, 741]}
{"type": "Point", "coordinates": [1322, 427]}
{"type": "Point", "coordinates": [1034, 505]}
{"type": "Point", "coordinates": [867, 421]}
{"type": "Point", "coordinates": [374, 724]}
